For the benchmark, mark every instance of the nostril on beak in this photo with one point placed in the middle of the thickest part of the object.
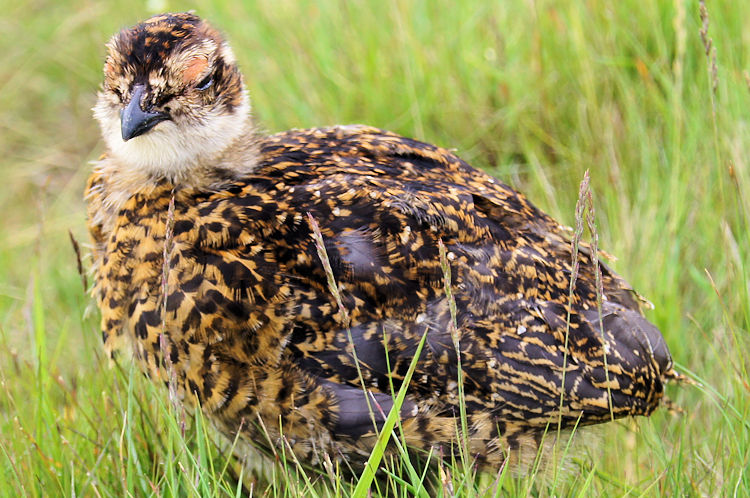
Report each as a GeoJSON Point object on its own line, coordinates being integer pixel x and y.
{"type": "Point", "coordinates": [134, 121]}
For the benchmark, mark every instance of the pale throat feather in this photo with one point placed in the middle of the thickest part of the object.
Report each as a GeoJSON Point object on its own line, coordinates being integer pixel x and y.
{"type": "Point", "coordinates": [175, 151]}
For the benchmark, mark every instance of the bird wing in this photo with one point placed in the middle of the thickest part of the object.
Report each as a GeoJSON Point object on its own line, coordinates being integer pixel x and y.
{"type": "Point", "coordinates": [383, 203]}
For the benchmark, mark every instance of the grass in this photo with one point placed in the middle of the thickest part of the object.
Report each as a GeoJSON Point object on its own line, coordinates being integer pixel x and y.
{"type": "Point", "coordinates": [534, 92]}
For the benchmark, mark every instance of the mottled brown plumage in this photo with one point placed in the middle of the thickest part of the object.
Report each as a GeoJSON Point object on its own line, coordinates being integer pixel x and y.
{"type": "Point", "coordinates": [250, 326]}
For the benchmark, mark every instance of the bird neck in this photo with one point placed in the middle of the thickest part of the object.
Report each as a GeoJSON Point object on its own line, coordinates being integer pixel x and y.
{"type": "Point", "coordinates": [118, 180]}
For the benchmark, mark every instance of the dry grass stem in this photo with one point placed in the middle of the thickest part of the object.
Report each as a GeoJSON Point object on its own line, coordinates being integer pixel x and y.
{"type": "Point", "coordinates": [164, 342]}
{"type": "Point", "coordinates": [79, 261]}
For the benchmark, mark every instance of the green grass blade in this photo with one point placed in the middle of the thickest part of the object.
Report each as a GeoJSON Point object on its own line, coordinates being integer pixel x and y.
{"type": "Point", "coordinates": [373, 462]}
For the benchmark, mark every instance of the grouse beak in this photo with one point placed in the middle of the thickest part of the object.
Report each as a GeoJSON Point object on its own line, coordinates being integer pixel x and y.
{"type": "Point", "coordinates": [135, 121]}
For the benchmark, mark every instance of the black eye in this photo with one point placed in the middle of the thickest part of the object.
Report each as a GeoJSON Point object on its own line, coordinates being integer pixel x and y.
{"type": "Point", "coordinates": [205, 82]}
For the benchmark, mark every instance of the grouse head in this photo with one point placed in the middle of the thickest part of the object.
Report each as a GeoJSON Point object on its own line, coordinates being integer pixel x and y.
{"type": "Point", "coordinates": [173, 98]}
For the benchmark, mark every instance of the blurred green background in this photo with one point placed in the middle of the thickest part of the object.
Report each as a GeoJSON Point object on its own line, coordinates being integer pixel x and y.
{"type": "Point", "coordinates": [535, 92]}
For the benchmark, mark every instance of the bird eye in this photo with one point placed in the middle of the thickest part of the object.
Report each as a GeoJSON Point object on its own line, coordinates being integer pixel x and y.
{"type": "Point", "coordinates": [205, 83]}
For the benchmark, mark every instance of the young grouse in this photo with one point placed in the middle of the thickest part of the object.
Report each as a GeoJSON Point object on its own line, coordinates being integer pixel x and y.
{"type": "Point", "coordinates": [249, 325]}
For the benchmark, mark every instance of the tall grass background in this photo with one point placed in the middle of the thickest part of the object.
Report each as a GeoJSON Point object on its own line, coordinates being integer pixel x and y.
{"type": "Point", "coordinates": [652, 97]}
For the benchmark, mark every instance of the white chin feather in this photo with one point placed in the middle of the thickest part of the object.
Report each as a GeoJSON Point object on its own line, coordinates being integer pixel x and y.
{"type": "Point", "coordinates": [170, 150]}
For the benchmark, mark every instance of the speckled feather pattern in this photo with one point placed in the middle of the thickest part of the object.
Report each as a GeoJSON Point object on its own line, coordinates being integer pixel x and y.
{"type": "Point", "coordinates": [254, 331]}
{"type": "Point", "coordinates": [255, 335]}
